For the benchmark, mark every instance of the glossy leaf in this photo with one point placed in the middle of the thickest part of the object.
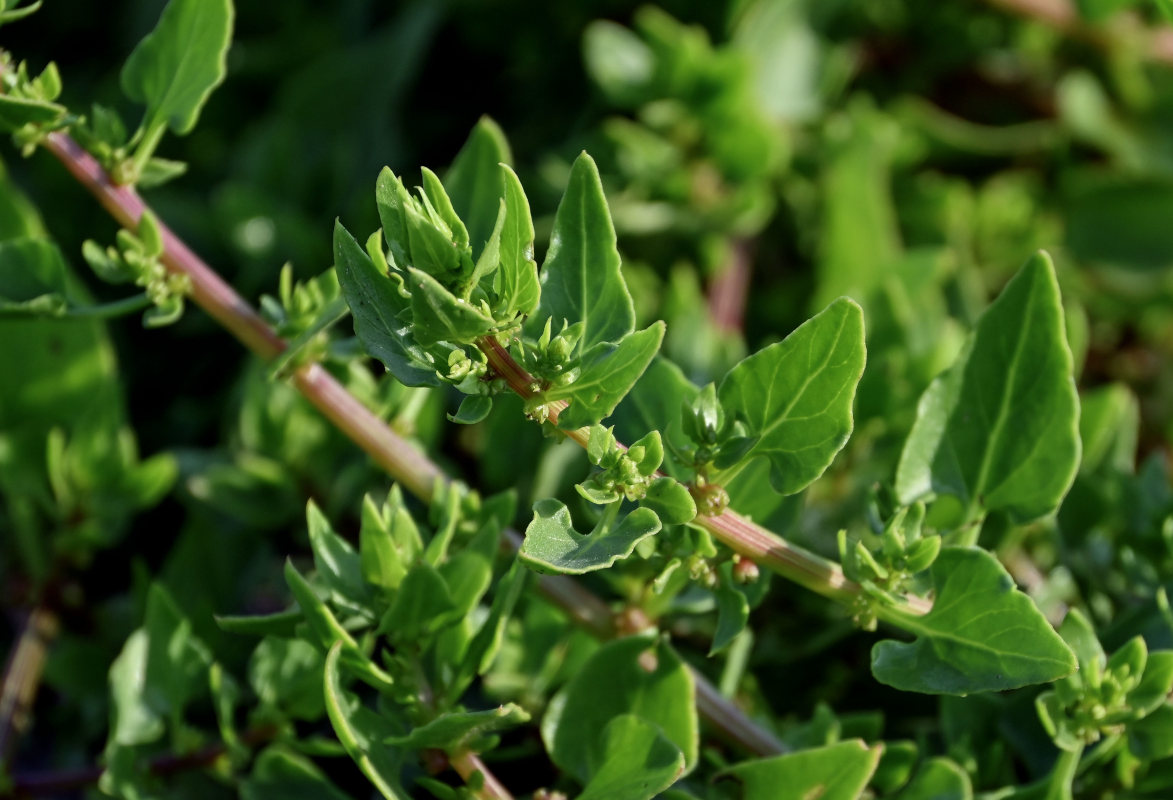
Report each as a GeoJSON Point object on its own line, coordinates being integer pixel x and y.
{"type": "Point", "coordinates": [581, 279]}
{"type": "Point", "coordinates": [552, 545]}
{"type": "Point", "coordinates": [636, 762]}
{"type": "Point", "coordinates": [999, 430]}
{"type": "Point", "coordinates": [638, 675]}
{"type": "Point", "coordinates": [796, 395]}
{"type": "Point", "coordinates": [608, 373]}
{"type": "Point", "coordinates": [981, 635]}
{"type": "Point", "coordinates": [671, 501]}
{"type": "Point", "coordinates": [379, 313]}
{"type": "Point", "coordinates": [473, 409]}
{"type": "Point", "coordinates": [176, 66]}
{"type": "Point", "coordinates": [835, 772]}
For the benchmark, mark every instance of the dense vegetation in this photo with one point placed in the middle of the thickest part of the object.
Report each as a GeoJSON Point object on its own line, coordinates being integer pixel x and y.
{"type": "Point", "coordinates": [769, 399]}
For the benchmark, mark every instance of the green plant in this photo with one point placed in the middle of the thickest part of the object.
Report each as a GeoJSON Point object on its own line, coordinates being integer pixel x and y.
{"type": "Point", "coordinates": [607, 650]}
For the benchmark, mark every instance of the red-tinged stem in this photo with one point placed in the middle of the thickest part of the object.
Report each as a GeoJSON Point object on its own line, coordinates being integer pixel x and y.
{"type": "Point", "coordinates": [735, 531]}
{"type": "Point", "coordinates": [730, 287]}
{"type": "Point", "coordinates": [486, 787]}
{"type": "Point", "coordinates": [402, 460]}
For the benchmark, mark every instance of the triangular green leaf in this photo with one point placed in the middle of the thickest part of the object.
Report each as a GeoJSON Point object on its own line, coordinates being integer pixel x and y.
{"type": "Point", "coordinates": [178, 64]}
{"type": "Point", "coordinates": [796, 395]}
{"type": "Point", "coordinates": [982, 634]}
{"type": "Point", "coordinates": [581, 280]}
{"type": "Point", "coordinates": [999, 429]}
{"type": "Point", "coordinates": [378, 310]}
{"type": "Point", "coordinates": [608, 371]}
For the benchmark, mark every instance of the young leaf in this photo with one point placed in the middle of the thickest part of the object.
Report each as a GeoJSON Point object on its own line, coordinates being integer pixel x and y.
{"type": "Point", "coordinates": [637, 675]}
{"type": "Point", "coordinates": [280, 623]}
{"type": "Point", "coordinates": [516, 280]}
{"type": "Point", "coordinates": [378, 312]}
{"type": "Point", "coordinates": [552, 545]}
{"type": "Point", "coordinates": [438, 315]}
{"type": "Point", "coordinates": [474, 180]}
{"type": "Point", "coordinates": [982, 634]}
{"type": "Point", "coordinates": [423, 604]}
{"type": "Point", "coordinates": [796, 395]}
{"type": "Point", "coordinates": [636, 762]}
{"type": "Point", "coordinates": [581, 280]}
{"type": "Point", "coordinates": [999, 429]}
{"type": "Point", "coordinates": [473, 409]}
{"type": "Point", "coordinates": [608, 373]}
{"type": "Point", "coordinates": [16, 112]}
{"type": "Point", "coordinates": [671, 501]}
{"type": "Point", "coordinates": [836, 772]}
{"type": "Point", "coordinates": [456, 730]}
{"type": "Point", "coordinates": [178, 64]}
{"type": "Point", "coordinates": [732, 616]}
{"type": "Point", "coordinates": [361, 731]}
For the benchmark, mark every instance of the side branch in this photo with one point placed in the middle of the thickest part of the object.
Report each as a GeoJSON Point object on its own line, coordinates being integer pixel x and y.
{"type": "Point", "coordinates": [402, 460]}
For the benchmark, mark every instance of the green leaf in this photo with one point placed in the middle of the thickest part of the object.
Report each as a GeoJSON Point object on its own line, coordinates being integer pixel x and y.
{"type": "Point", "coordinates": [379, 310]}
{"type": "Point", "coordinates": [982, 634]}
{"type": "Point", "coordinates": [474, 181]}
{"type": "Point", "coordinates": [326, 629]}
{"type": "Point", "coordinates": [1151, 738]}
{"type": "Point", "coordinates": [286, 674]}
{"type": "Point", "coordinates": [361, 731]}
{"type": "Point", "coordinates": [438, 315]}
{"type": "Point", "coordinates": [636, 762]}
{"type": "Point", "coordinates": [516, 279]}
{"type": "Point", "coordinates": [608, 371]}
{"type": "Point", "coordinates": [637, 675]}
{"type": "Point", "coordinates": [337, 563]}
{"type": "Point", "coordinates": [281, 623]}
{"type": "Point", "coordinates": [158, 671]}
{"type": "Point", "coordinates": [178, 64]}
{"type": "Point", "coordinates": [16, 112]}
{"type": "Point", "coordinates": [422, 605]}
{"type": "Point", "coordinates": [671, 501]}
{"type": "Point", "coordinates": [552, 545]}
{"type": "Point", "coordinates": [486, 643]}
{"type": "Point", "coordinates": [581, 280]}
{"type": "Point", "coordinates": [282, 774]}
{"type": "Point", "coordinates": [473, 409]}
{"type": "Point", "coordinates": [732, 616]}
{"type": "Point", "coordinates": [454, 731]}
{"type": "Point", "coordinates": [938, 779]}
{"type": "Point", "coordinates": [796, 395]}
{"type": "Point", "coordinates": [1109, 422]}
{"type": "Point", "coordinates": [835, 772]}
{"type": "Point", "coordinates": [999, 429]}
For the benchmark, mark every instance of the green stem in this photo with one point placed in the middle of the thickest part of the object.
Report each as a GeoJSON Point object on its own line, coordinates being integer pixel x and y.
{"type": "Point", "coordinates": [142, 154]}
{"type": "Point", "coordinates": [115, 308]}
